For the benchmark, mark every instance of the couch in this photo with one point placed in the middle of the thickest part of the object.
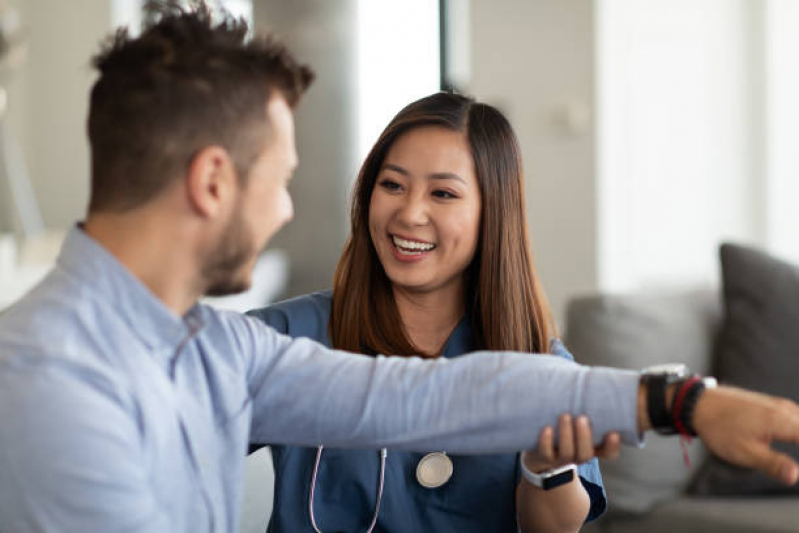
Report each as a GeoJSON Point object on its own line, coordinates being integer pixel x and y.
{"type": "Point", "coordinates": [651, 490]}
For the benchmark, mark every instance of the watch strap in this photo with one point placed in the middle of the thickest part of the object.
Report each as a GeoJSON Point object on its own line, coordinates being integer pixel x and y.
{"type": "Point", "coordinates": [659, 414]}
{"type": "Point", "coordinates": [548, 479]}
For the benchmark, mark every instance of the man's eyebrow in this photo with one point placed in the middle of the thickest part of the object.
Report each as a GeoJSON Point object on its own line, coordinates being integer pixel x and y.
{"type": "Point", "coordinates": [433, 176]}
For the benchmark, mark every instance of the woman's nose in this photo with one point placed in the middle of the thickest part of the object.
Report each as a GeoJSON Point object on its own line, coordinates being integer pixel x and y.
{"type": "Point", "coordinates": [414, 211]}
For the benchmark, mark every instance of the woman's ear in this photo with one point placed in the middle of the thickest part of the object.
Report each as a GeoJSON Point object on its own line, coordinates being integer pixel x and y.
{"type": "Point", "coordinates": [211, 181]}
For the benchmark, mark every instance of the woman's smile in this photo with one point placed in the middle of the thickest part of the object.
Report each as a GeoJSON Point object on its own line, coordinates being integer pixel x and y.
{"type": "Point", "coordinates": [410, 250]}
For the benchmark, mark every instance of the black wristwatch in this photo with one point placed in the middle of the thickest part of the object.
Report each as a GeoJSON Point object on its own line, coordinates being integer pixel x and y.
{"type": "Point", "coordinates": [657, 380]}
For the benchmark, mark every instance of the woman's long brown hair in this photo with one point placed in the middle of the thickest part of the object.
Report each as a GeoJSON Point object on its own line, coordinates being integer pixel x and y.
{"type": "Point", "coordinates": [507, 305]}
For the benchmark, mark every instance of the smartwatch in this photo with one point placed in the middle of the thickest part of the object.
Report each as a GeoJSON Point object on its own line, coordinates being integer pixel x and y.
{"type": "Point", "coordinates": [549, 479]}
{"type": "Point", "coordinates": [657, 380]}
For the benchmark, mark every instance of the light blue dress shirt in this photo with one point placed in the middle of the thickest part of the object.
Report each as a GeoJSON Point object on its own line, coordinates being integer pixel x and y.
{"type": "Point", "coordinates": [117, 415]}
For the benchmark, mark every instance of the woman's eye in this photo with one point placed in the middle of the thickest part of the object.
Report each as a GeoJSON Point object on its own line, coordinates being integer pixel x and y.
{"type": "Point", "coordinates": [390, 185]}
{"type": "Point", "coordinates": [446, 195]}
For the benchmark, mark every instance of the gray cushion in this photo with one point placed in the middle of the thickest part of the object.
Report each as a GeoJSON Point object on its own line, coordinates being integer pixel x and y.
{"type": "Point", "coordinates": [709, 515]}
{"type": "Point", "coordinates": [635, 332]}
{"type": "Point", "coordinates": [758, 349]}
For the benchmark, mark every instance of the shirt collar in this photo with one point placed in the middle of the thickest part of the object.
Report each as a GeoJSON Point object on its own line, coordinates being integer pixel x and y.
{"type": "Point", "coordinates": [460, 341]}
{"type": "Point", "coordinates": [156, 325]}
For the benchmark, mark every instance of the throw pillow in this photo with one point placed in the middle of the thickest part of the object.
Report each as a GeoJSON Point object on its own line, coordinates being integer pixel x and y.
{"type": "Point", "coordinates": [758, 349]}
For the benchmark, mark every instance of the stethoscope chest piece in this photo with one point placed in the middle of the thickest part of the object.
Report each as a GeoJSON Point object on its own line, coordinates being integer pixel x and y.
{"type": "Point", "coordinates": [433, 470]}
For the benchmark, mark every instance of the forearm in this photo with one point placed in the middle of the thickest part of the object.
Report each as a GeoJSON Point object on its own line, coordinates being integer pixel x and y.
{"type": "Point", "coordinates": [559, 510]}
{"type": "Point", "coordinates": [485, 403]}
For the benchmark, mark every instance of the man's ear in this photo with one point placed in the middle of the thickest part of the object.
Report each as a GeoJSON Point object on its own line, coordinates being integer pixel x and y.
{"type": "Point", "coordinates": [211, 181]}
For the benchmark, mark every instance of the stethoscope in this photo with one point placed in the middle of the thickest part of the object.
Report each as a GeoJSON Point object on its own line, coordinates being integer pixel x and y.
{"type": "Point", "coordinates": [432, 471]}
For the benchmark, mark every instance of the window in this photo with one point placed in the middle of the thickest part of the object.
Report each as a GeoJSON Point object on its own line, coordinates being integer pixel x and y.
{"type": "Point", "coordinates": [398, 61]}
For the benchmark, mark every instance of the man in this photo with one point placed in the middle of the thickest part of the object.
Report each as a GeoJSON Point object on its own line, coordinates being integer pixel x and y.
{"type": "Point", "coordinates": [125, 406]}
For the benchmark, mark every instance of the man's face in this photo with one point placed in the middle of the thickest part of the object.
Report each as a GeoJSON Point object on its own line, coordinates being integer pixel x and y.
{"type": "Point", "coordinates": [263, 207]}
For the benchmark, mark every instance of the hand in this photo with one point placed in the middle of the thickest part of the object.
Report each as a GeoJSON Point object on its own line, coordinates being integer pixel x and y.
{"type": "Point", "coordinates": [739, 426]}
{"type": "Point", "coordinates": [575, 445]}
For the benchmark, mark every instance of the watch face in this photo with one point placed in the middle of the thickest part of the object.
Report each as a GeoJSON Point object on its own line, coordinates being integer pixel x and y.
{"type": "Point", "coordinates": [677, 369]}
{"type": "Point", "coordinates": [557, 480]}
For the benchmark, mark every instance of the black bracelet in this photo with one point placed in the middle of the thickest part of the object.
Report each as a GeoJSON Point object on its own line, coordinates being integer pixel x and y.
{"type": "Point", "coordinates": [685, 415]}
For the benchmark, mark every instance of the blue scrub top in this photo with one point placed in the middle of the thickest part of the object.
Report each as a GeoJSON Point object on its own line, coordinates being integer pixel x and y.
{"type": "Point", "coordinates": [479, 497]}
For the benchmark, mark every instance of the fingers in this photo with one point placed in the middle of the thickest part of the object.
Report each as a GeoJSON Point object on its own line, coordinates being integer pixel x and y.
{"type": "Point", "coordinates": [546, 445]}
{"type": "Point", "coordinates": [785, 427]}
{"type": "Point", "coordinates": [543, 457]}
{"type": "Point", "coordinates": [584, 440]}
{"type": "Point", "coordinates": [566, 445]}
{"type": "Point", "coordinates": [576, 440]}
{"type": "Point", "coordinates": [610, 448]}
{"type": "Point", "coordinates": [777, 465]}
{"type": "Point", "coordinates": [740, 426]}
{"type": "Point", "coordinates": [574, 444]}
{"type": "Point", "coordinates": [787, 422]}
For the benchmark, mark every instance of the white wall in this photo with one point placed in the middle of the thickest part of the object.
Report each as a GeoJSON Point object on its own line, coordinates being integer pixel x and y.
{"type": "Point", "coordinates": [698, 128]}
{"type": "Point", "coordinates": [534, 60]}
{"type": "Point", "coordinates": [781, 72]}
{"type": "Point", "coordinates": [677, 139]}
{"type": "Point", "coordinates": [393, 70]}
{"type": "Point", "coordinates": [51, 108]}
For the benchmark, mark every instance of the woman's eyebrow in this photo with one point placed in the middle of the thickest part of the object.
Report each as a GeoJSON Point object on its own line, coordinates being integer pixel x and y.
{"type": "Point", "coordinates": [446, 176]}
{"type": "Point", "coordinates": [432, 176]}
{"type": "Point", "coordinates": [396, 168]}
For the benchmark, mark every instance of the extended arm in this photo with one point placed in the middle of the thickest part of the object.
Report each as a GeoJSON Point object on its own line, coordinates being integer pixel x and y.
{"type": "Point", "coordinates": [481, 403]}
{"type": "Point", "coordinates": [305, 394]}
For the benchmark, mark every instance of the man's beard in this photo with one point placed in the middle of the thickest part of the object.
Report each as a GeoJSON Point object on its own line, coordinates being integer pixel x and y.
{"type": "Point", "coordinates": [223, 271]}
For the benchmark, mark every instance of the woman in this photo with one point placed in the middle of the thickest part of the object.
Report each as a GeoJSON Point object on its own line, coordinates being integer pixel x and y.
{"type": "Point", "coordinates": [437, 264]}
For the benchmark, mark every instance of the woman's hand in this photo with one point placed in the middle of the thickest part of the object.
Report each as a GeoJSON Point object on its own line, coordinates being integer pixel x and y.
{"type": "Point", "coordinates": [565, 508]}
{"type": "Point", "coordinates": [575, 444]}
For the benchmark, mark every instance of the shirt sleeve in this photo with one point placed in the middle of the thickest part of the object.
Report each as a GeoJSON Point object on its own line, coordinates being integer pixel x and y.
{"type": "Point", "coordinates": [589, 472]}
{"type": "Point", "coordinates": [276, 318]}
{"type": "Point", "coordinates": [74, 460]}
{"type": "Point", "coordinates": [304, 394]}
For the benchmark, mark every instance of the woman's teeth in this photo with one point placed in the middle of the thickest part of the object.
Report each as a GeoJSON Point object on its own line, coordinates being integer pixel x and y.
{"type": "Point", "coordinates": [412, 247]}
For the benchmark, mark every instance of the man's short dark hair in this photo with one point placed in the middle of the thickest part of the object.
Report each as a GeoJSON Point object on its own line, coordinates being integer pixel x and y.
{"type": "Point", "coordinates": [187, 82]}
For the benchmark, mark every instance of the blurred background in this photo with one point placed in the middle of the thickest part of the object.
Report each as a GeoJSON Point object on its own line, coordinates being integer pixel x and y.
{"type": "Point", "coordinates": [651, 130]}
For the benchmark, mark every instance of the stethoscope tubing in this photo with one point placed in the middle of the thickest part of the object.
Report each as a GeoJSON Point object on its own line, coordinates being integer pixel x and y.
{"type": "Point", "coordinates": [383, 454]}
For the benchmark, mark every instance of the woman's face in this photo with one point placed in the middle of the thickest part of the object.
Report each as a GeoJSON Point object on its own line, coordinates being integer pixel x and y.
{"type": "Point", "coordinates": [424, 215]}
